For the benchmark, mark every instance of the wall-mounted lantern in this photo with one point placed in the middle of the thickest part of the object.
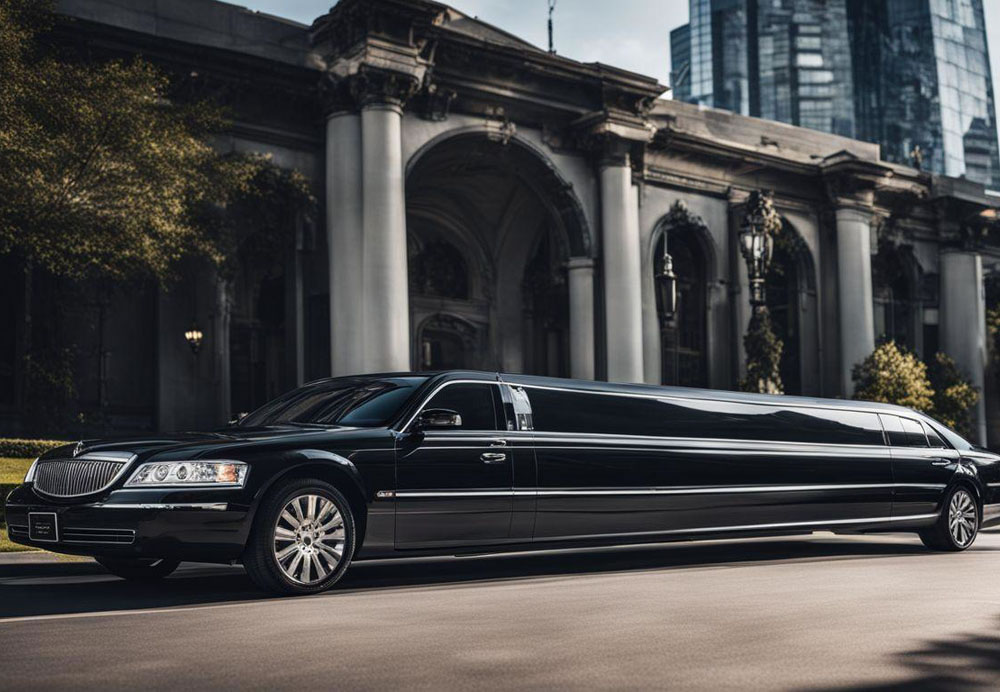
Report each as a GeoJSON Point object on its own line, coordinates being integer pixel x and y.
{"type": "Point", "coordinates": [666, 286]}
{"type": "Point", "coordinates": [194, 337]}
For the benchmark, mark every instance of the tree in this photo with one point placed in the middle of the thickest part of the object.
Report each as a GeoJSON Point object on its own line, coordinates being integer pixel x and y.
{"type": "Point", "coordinates": [954, 395]}
{"type": "Point", "coordinates": [894, 376]}
{"type": "Point", "coordinates": [763, 349]}
{"type": "Point", "coordinates": [101, 172]}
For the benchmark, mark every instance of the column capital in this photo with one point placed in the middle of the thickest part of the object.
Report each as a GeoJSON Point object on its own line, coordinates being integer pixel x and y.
{"type": "Point", "coordinates": [615, 136]}
{"type": "Point", "coordinates": [851, 182]}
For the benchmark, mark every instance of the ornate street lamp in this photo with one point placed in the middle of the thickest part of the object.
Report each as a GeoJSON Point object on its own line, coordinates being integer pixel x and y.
{"type": "Point", "coordinates": [757, 231]}
{"type": "Point", "coordinates": [763, 348]}
{"type": "Point", "coordinates": [194, 336]}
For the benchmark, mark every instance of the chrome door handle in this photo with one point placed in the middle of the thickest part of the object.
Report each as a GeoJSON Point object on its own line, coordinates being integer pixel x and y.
{"type": "Point", "coordinates": [499, 442]}
{"type": "Point", "coordinates": [493, 457]}
{"type": "Point", "coordinates": [941, 462]}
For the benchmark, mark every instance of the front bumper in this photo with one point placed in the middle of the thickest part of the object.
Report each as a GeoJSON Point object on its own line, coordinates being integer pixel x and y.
{"type": "Point", "coordinates": [204, 526]}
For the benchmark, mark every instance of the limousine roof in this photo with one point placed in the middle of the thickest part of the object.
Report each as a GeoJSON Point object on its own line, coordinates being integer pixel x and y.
{"type": "Point", "coordinates": [624, 388]}
{"type": "Point", "coordinates": [661, 390]}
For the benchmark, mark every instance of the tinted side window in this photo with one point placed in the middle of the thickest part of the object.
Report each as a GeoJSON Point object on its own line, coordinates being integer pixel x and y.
{"type": "Point", "coordinates": [581, 412]}
{"type": "Point", "coordinates": [473, 402]}
{"type": "Point", "coordinates": [904, 432]}
{"type": "Point", "coordinates": [933, 439]}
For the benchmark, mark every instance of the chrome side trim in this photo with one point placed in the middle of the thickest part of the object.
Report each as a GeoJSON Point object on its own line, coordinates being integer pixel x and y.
{"type": "Point", "coordinates": [717, 490]}
{"type": "Point", "coordinates": [209, 506]}
{"type": "Point", "coordinates": [752, 527]}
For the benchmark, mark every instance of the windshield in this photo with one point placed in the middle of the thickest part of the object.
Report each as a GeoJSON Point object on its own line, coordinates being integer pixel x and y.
{"type": "Point", "coordinates": [350, 402]}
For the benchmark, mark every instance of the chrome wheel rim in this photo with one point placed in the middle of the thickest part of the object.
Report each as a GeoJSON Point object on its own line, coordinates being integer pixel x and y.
{"type": "Point", "coordinates": [309, 539]}
{"type": "Point", "coordinates": [962, 518]}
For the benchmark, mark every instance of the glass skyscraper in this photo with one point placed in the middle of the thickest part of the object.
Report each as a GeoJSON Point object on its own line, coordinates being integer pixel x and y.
{"type": "Point", "coordinates": [911, 75]}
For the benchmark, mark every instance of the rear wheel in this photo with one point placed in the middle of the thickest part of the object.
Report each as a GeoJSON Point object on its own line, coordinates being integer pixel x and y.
{"type": "Point", "coordinates": [302, 540]}
{"type": "Point", "coordinates": [957, 527]}
{"type": "Point", "coordinates": [138, 569]}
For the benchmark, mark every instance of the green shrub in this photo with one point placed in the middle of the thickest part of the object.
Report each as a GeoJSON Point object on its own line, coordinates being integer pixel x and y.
{"type": "Point", "coordinates": [25, 449]}
{"type": "Point", "coordinates": [954, 395]}
{"type": "Point", "coordinates": [894, 376]}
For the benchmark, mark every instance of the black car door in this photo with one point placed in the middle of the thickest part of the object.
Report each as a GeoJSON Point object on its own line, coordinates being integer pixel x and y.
{"type": "Point", "coordinates": [454, 486]}
{"type": "Point", "coordinates": [922, 466]}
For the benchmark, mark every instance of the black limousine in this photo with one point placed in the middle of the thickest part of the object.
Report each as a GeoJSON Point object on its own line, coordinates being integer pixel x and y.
{"type": "Point", "coordinates": [451, 462]}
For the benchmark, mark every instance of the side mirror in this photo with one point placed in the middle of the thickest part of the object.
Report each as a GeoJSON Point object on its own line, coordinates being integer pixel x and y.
{"type": "Point", "coordinates": [438, 418]}
{"type": "Point", "coordinates": [239, 419]}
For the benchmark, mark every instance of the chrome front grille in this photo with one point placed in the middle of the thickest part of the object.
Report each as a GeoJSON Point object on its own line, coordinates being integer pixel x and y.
{"type": "Point", "coordinates": [84, 475]}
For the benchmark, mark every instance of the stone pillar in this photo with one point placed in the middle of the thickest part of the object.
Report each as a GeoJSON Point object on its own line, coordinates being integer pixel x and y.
{"type": "Point", "coordinates": [854, 290]}
{"type": "Point", "coordinates": [963, 323]}
{"type": "Point", "coordinates": [344, 235]}
{"type": "Point", "coordinates": [581, 317]}
{"type": "Point", "coordinates": [622, 271]}
{"type": "Point", "coordinates": [384, 271]}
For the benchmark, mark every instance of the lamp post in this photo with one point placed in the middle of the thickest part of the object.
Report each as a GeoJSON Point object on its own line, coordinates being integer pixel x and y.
{"type": "Point", "coordinates": [763, 349]}
{"type": "Point", "coordinates": [666, 300]}
{"type": "Point", "coordinates": [757, 231]}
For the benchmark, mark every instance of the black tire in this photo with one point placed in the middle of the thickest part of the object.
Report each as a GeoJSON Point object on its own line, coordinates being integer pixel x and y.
{"type": "Point", "coordinates": [957, 527]}
{"type": "Point", "coordinates": [260, 557]}
{"type": "Point", "coordinates": [138, 569]}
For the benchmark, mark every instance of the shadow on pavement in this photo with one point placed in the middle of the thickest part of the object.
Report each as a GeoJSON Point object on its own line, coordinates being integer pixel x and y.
{"type": "Point", "coordinates": [966, 662]}
{"type": "Point", "coordinates": [84, 587]}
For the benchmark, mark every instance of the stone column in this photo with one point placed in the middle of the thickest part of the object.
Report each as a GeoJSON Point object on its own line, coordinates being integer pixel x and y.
{"type": "Point", "coordinates": [854, 290]}
{"type": "Point", "coordinates": [384, 272]}
{"type": "Point", "coordinates": [622, 270]}
{"type": "Point", "coordinates": [344, 235]}
{"type": "Point", "coordinates": [581, 317]}
{"type": "Point", "coordinates": [963, 323]}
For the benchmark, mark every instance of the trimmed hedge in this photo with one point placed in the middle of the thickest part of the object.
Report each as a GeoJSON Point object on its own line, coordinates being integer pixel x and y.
{"type": "Point", "coordinates": [25, 449]}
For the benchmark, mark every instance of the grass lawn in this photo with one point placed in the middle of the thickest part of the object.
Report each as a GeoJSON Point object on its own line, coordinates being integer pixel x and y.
{"type": "Point", "coordinates": [11, 471]}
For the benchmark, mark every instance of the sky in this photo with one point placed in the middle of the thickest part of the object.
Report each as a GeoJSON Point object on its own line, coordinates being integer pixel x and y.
{"type": "Point", "coordinates": [632, 34]}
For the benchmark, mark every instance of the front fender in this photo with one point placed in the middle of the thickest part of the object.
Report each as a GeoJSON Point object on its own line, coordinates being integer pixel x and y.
{"type": "Point", "coordinates": [301, 459]}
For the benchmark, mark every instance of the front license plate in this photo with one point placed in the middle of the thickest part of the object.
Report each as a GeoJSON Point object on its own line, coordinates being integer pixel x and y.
{"type": "Point", "coordinates": [43, 527]}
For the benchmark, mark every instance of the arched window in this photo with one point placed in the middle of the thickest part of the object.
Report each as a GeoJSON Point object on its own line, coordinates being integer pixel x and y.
{"type": "Point", "coordinates": [896, 299]}
{"type": "Point", "coordinates": [683, 342]}
{"type": "Point", "coordinates": [790, 294]}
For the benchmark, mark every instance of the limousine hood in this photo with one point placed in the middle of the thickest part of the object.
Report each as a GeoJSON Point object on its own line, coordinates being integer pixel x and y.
{"type": "Point", "coordinates": [198, 443]}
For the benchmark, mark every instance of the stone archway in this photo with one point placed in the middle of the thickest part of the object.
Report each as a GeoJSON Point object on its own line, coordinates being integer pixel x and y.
{"type": "Point", "coordinates": [684, 342]}
{"type": "Point", "coordinates": [791, 302]}
{"type": "Point", "coordinates": [500, 211]}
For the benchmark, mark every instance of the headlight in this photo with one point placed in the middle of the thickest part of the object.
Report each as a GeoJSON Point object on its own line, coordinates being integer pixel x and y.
{"type": "Point", "coordinates": [222, 474]}
{"type": "Point", "coordinates": [29, 477]}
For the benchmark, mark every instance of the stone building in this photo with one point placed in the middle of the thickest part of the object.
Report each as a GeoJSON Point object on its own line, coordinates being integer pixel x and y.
{"type": "Point", "coordinates": [487, 204]}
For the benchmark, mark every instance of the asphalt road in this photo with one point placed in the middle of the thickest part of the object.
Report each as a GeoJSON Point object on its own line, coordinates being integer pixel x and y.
{"type": "Point", "coordinates": [820, 612]}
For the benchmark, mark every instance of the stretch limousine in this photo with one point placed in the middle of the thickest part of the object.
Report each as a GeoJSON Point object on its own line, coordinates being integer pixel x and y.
{"type": "Point", "coordinates": [451, 462]}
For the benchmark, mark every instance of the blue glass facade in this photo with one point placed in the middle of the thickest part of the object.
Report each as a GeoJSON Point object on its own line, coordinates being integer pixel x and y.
{"type": "Point", "coordinates": [909, 74]}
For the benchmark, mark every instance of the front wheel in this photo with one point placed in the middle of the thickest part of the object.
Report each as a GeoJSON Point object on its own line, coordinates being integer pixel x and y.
{"type": "Point", "coordinates": [958, 525]}
{"type": "Point", "coordinates": [302, 540]}
{"type": "Point", "coordinates": [138, 569]}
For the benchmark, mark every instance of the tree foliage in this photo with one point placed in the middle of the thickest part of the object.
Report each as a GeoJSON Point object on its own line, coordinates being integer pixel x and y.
{"type": "Point", "coordinates": [954, 395]}
{"type": "Point", "coordinates": [101, 173]}
{"type": "Point", "coordinates": [763, 350]}
{"type": "Point", "coordinates": [256, 226]}
{"type": "Point", "coordinates": [896, 376]}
